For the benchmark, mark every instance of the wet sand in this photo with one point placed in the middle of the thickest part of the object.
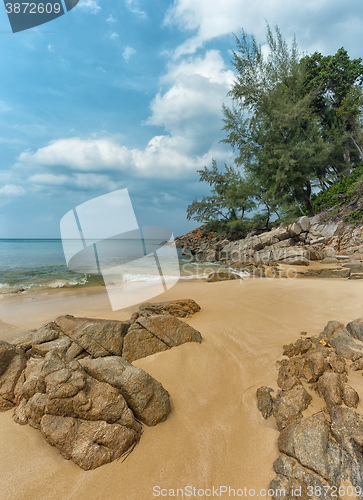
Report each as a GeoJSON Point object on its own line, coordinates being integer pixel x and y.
{"type": "Point", "coordinates": [215, 435]}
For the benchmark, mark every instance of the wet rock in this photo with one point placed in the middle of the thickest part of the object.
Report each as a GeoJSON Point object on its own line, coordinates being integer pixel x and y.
{"type": "Point", "coordinates": [222, 275]}
{"type": "Point", "coordinates": [182, 308]}
{"type": "Point", "coordinates": [88, 444]}
{"type": "Point", "coordinates": [265, 402]}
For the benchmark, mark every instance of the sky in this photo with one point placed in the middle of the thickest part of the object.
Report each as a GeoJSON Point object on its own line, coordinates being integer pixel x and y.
{"type": "Point", "coordinates": [129, 94]}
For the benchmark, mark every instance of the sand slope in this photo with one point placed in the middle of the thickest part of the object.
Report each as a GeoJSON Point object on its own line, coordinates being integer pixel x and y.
{"type": "Point", "coordinates": [215, 435]}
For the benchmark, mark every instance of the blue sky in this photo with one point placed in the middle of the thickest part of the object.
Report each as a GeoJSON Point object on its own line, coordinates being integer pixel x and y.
{"type": "Point", "coordinates": [128, 93]}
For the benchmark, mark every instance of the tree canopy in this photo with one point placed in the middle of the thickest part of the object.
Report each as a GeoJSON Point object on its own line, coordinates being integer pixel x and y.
{"type": "Point", "coordinates": [295, 126]}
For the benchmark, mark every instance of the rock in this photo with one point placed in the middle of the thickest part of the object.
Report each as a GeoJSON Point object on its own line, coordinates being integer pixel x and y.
{"type": "Point", "coordinates": [7, 352]}
{"type": "Point", "coordinates": [182, 308]}
{"type": "Point", "coordinates": [357, 365]}
{"type": "Point", "coordinates": [350, 396]}
{"type": "Point", "coordinates": [344, 345]}
{"type": "Point", "coordinates": [288, 375]}
{"type": "Point", "coordinates": [152, 334]}
{"type": "Point", "coordinates": [222, 275]}
{"type": "Point", "coordinates": [146, 397]}
{"type": "Point", "coordinates": [46, 333]}
{"type": "Point", "coordinates": [355, 328]}
{"type": "Point", "coordinates": [334, 273]}
{"type": "Point", "coordinates": [296, 261]}
{"type": "Point", "coordinates": [59, 345]}
{"type": "Point", "coordinates": [9, 379]}
{"type": "Point", "coordinates": [301, 346]}
{"type": "Point", "coordinates": [330, 388]}
{"type": "Point", "coordinates": [289, 405]}
{"type": "Point", "coordinates": [310, 444]}
{"type": "Point", "coordinates": [294, 230]}
{"type": "Point", "coordinates": [329, 260]}
{"type": "Point", "coordinates": [354, 266]}
{"type": "Point", "coordinates": [265, 402]}
{"type": "Point", "coordinates": [316, 241]}
{"type": "Point", "coordinates": [355, 277]}
{"type": "Point", "coordinates": [315, 364]}
{"type": "Point", "coordinates": [88, 444]}
{"type": "Point", "coordinates": [304, 223]}
{"type": "Point", "coordinates": [97, 337]}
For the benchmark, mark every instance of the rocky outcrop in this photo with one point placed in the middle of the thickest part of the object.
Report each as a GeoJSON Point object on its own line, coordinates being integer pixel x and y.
{"type": "Point", "coordinates": [323, 451]}
{"type": "Point", "coordinates": [307, 239]}
{"type": "Point", "coordinates": [151, 334]}
{"type": "Point", "coordinates": [222, 275]}
{"type": "Point", "coordinates": [72, 380]}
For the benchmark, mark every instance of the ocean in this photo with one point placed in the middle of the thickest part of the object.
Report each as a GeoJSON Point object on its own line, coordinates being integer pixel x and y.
{"type": "Point", "coordinates": [31, 265]}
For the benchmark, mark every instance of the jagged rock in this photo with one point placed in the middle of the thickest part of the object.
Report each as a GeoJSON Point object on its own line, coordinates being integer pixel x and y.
{"type": "Point", "coordinates": [315, 363]}
{"type": "Point", "coordinates": [13, 362]}
{"type": "Point", "coordinates": [289, 405]}
{"type": "Point", "coordinates": [355, 277]}
{"type": "Point", "coordinates": [265, 402]}
{"type": "Point", "coordinates": [88, 444]}
{"type": "Point", "coordinates": [288, 374]}
{"type": "Point", "coordinates": [152, 334]}
{"type": "Point", "coordinates": [46, 333]}
{"type": "Point", "coordinates": [344, 345]}
{"type": "Point", "coordinates": [222, 275]}
{"type": "Point", "coordinates": [182, 308]}
{"type": "Point", "coordinates": [301, 346]}
{"type": "Point", "coordinates": [97, 337]}
{"type": "Point", "coordinates": [60, 345]}
{"type": "Point", "coordinates": [146, 397]}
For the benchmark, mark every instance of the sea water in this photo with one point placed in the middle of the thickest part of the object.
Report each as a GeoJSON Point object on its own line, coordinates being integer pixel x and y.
{"type": "Point", "coordinates": [35, 264]}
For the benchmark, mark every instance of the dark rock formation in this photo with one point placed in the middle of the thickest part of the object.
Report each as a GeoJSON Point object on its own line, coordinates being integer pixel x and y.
{"type": "Point", "coordinates": [222, 275]}
{"type": "Point", "coordinates": [182, 308]}
{"type": "Point", "coordinates": [324, 450]}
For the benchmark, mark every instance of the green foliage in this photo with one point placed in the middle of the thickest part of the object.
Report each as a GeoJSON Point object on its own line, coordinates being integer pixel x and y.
{"type": "Point", "coordinates": [354, 217]}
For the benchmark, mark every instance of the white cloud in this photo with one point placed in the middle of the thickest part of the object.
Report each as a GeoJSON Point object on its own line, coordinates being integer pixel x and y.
{"type": "Point", "coordinates": [111, 19]}
{"type": "Point", "coordinates": [90, 6]}
{"type": "Point", "coordinates": [133, 7]}
{"type": "Point", "coordinates": [11, 190]}
{"type": "Point", "coordinates": [191, 106]}
{"type": "Point", "coordinates": [77, 154]}
{"type": "Point", "coordinates": [114, 36]}
{"type": "Point", "coordinates": [128, 52]}
{"type": "Point", "coordinates": [318, 24]}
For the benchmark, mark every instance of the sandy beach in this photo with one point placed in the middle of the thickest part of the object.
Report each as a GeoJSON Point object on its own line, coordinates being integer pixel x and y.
{"type": "Point", "coordinates": [215, 435]}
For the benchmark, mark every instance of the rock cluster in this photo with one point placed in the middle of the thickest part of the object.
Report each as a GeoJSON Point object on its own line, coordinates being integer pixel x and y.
{"type": "Point", "coordinates": [307, 239]}
{"type": "Point", "coordinates": [323, 450]}
{"type": "Point", "coordinates": [72, 379]}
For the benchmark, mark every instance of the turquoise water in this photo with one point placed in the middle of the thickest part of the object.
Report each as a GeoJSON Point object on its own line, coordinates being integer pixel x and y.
{"type": "Point", "coordinates": [30, 265]}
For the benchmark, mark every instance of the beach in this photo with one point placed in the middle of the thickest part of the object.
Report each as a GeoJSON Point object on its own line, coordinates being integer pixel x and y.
{"type": "Point", "coordinates": [215, 436]}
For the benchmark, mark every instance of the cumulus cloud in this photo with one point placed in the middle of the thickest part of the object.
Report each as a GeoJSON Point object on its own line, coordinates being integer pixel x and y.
{"type": "Point", "coordinates": [128, 52]}
{"type": "Point", "coordinates": [317, 24]}
{"type": "Point", "coordinates": [191, 104]}
{"type": "Point", "coordinates": [90, 6]}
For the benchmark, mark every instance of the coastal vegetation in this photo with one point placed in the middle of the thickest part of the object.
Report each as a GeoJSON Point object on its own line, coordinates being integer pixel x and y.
{"type": "Point", "coordinates": [296, 127]}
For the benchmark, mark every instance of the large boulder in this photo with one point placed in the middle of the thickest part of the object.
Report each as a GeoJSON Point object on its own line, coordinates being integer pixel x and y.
{"type": "Point", "coordinates": [46, 333]}
{"type": "Point", "coordinates": [146, 397]}
{"type": "Point", "coordinates": [12, 364]}
{"type": "Point", "coordinates": [152, 334]}
{"type": "Point", "coordinates": [289, 405]}
{"type": "Point", "coordinates": [88, 444]}
{"type": "Point", "coordinates": [98, 337]}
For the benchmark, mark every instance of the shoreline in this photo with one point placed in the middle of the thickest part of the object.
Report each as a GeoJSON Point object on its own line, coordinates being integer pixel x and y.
{"type": "Point", "coordinates": [215, 435]}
